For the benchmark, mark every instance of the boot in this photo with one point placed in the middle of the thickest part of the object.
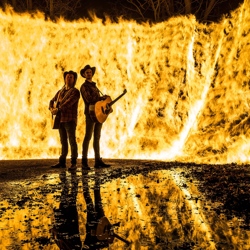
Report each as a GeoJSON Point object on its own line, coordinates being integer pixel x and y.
{"type": "Point", "coordinates": [85, 165]}
{"type": "Point", "coordinates": [100, 164]}
{"type": "Point", "coordinates": [61, 164]}
{"type": "Point", "coordinates": [72, 167]}
{"type": "Point", "coordinates": [73, 164]}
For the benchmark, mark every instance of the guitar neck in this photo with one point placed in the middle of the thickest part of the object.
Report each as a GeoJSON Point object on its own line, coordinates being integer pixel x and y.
{"type": "Point", "coordinates": [120, 238]}
{"type": "Point", "coordinates": [110, 104]}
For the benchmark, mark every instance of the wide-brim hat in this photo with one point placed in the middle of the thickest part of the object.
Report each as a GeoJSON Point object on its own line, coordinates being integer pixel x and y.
{"type": "Point", "coordinates": [82, 71]}
{"type": "Point", "coordinates": [70, 72]}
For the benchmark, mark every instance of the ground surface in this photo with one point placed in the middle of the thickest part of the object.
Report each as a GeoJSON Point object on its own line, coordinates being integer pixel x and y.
{"type": "Point", "coordinates": [227, 186]}
{"type": "Point", "coordinates": [229, 183]}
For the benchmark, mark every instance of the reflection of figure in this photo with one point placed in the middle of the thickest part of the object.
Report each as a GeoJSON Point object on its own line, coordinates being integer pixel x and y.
{"type": "Point", "coordinates": [91, 94]}
{"type": "Point", "coordinates": [66, 229]}
{"type": "Point", "coordinates": [94, 214]}
{"type": "Point", "coordinates": [66, 101]}
{"type": "Point", "coordinates": [99, 232]}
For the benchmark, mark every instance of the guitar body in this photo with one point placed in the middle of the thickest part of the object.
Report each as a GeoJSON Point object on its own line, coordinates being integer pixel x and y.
{"type": "Point", "coordinates": [55, 121]}
{"type": "Point", "coordinates": [104, 231]}
{"type": "Point", "coordinates": [100, 110]}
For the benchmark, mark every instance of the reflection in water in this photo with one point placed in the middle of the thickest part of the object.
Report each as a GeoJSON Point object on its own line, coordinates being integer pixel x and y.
{"type": "Point", "coordinates": [94, 214]}
{"type": "Point", "coordinates": [155, 210]}
{"type": "Point", "coordinates": [99, 231]}
{"type": "Point", "coordinates": [66, 228]}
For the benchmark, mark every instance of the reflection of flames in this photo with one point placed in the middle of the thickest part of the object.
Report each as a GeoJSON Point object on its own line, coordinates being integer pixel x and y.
{"type": "Point", "coordinates": [187, 85]}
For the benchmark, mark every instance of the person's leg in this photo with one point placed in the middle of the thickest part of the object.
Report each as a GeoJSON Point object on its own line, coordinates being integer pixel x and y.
{"type": "Point", "coordinates": [98, 201]}
{"type": "Point", "coordinates": [96, 144]}
{"type": "Point", "coordinates": [64, 147]}
{"type": "Point", "coordinates": [91, 214]}
{"type": "Point", "coordinates": [85, 145]}
{"type": "Point", "coordinates": [70, 128]}
{"type": "Point", "coordinates": [66, 222]}
{"type": "Point", "coordinates": [96, 141]}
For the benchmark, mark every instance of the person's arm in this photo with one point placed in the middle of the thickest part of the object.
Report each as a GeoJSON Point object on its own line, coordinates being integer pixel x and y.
{"type": "Point", "coordinates": [71, 100]}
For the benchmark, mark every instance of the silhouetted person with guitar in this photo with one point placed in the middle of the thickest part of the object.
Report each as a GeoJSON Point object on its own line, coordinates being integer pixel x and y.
{"type": "Point", "coordinates": [99, 231]}
{"type": "Point", "coordinates": [91, 95]}
{"type": "Point", "coordinates": [64, 108]}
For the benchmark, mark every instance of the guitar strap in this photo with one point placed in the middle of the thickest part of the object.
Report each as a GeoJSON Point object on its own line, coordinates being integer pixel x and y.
{"type": "Point", "coordinates": [99, 91]}
{"type": "Point", "coordinates": [88, 84]}
{"type": "Point", "coordinates": [66, 95]}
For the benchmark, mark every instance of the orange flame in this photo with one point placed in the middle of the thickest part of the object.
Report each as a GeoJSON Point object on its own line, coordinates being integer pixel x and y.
{"type": "Point", "coordinates": [187, 85]}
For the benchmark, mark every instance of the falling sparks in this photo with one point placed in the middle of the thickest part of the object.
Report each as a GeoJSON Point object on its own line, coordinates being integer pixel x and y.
{"type": "Point", "coordinates": [187, 84]}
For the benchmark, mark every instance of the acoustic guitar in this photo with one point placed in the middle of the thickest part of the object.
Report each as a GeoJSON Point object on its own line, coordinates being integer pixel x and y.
{"type": "Point", "coordinates": [105, 231]}
{"type": "Point", "coordinates": [55, 120]}
{"type": "Point", "coordinates": [101, 109]}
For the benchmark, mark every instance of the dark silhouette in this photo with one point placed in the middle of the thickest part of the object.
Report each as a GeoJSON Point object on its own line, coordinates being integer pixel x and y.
{"type": "Point", "coordinates": [94, 214]}
{"type": "Point", "coordinates": [90, 95]}
{"type": "Point", "coordinates": [100, 233]}
{"type": "Point", "coordinates": [65, 104]}
{"type": "Point", "coordinates": [66, 229]}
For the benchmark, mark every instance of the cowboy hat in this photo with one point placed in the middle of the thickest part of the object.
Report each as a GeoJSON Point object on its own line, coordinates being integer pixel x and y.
{"type": "Point", "coordinates": [70, 72]}
{"type": "Point", "coordinates": [82, 72]}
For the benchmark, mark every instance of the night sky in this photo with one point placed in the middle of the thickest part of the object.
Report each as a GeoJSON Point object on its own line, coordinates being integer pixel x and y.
{"type": "Point", "coordinates": [116, 8]}
{"type": "Point", "coordinates": [101, 7]}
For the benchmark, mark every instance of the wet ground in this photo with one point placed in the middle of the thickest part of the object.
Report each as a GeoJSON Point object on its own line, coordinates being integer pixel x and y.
{"type": "Point", "coordinates": [150, 205]}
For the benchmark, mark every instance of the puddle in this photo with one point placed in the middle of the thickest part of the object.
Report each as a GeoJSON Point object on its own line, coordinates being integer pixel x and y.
{"type": "Point", "coordinates": [153, 210]}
